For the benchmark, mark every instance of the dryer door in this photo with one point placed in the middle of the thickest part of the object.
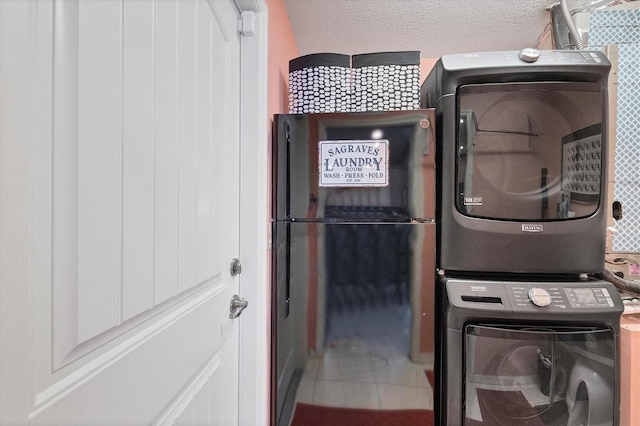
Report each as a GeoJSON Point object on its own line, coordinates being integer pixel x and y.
{"type": "Point", "coordinates": [539, 376]}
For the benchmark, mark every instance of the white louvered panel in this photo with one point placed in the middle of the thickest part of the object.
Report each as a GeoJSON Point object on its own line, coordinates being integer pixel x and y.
{"type": "Point", "coordinates": [106, 109]}
{"type": "Point", "coordinates": [204, 145]}
{"type": "Point", "coordinates": [224, 128]}
{"type": "Point", "coordinates": [142, 138]}
{"type": "Point", "coordinates": [64, 185]}
{"type": "Point", "coordinates": [138, 145]}
{"type": "Point", "coordinates": [99, 166]}
{"type": "Point", "coordinates": [187, 148]}
{"type": "Point", "coordinates": [166, 152]}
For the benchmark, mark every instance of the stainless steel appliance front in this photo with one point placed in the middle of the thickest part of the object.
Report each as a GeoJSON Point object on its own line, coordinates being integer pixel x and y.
{"type": "Point", "coordinates": [354, 240]}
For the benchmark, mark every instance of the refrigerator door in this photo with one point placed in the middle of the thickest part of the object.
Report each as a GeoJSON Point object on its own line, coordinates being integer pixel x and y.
{"type": "Point", "coordinates": [353, 316]}
{"type": "Point", "coordinates": [353, 266]}
{"type": "Point", "coordinates": [324, 164]}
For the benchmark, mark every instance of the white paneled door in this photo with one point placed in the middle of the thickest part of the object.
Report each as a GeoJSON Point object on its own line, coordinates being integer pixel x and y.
{"type": "Point", "coordinates": [119, 211]}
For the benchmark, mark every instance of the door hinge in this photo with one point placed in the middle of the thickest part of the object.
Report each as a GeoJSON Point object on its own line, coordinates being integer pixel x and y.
{"type": "Point", "coordinates": [248, 23]}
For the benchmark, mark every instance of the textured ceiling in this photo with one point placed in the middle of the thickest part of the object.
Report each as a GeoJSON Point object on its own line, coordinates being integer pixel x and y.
{"type": "Point", "coordinates": [434, 27]}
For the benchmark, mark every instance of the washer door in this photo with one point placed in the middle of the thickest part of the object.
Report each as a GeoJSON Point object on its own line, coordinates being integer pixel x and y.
{"type": "Point", "coordinates": [535, 376]}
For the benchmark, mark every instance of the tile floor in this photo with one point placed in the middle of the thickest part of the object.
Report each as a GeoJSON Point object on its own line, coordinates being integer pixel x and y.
{"type": "Point", "coordinates": [367, 368]}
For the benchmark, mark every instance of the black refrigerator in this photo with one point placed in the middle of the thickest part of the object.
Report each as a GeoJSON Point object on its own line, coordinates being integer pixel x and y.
{"type": "Point", "coordinates": [353, 235]}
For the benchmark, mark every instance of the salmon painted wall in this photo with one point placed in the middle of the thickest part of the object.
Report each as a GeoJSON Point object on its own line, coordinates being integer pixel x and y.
{"type": "Point", "coordinates": [426, 64]}
{"type": "Point", "coordinates": [282, 48]}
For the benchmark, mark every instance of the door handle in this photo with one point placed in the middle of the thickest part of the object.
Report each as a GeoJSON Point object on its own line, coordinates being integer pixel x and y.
{"type": "Point", "coordinates": [237, 306]}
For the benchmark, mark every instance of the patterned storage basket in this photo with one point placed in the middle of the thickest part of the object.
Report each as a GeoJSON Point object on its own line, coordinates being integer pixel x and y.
{"type": "Point", "coordinates": [387, 81]}
{"type": "Point", "coordinates": [320, 83]}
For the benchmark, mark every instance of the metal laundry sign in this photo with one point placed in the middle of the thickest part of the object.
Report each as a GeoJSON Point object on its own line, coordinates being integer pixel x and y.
{"type": "Point", "coordinates": [354, 163]}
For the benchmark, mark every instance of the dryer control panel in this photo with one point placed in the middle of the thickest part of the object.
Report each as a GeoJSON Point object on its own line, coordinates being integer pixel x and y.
{"type": "Point", "coordinates": [523, 59]}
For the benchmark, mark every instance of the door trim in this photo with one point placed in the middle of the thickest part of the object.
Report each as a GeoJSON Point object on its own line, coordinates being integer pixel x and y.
{"type": "Point", "coordinates": [254, 229]}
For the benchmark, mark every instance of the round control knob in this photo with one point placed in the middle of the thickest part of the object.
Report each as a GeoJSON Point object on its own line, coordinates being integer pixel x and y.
{"type": "Point", "coordinates": [539, 297]}
{"type": "Point", "coordinates": [529, 55]}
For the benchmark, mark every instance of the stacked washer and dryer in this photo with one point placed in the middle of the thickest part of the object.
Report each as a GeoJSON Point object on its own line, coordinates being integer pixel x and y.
{"type": "Point", "coordinates": [526, 331]}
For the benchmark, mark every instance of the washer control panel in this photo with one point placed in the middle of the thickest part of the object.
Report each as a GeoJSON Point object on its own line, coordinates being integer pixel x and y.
{"type": "Point", "coordinates": [539, 296]}
{"type": "Point", "coordinates": [589, 297]}
{"type": "Point", "coordinates": [501, 299]}
{"type": "Point", "coordinates": [562, 297]}
{"type": "Point", "coordinates": [526, 294]}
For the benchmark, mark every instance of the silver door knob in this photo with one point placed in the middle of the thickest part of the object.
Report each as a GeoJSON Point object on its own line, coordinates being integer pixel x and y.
{"type": "Point", "coordinates": [237, 306]}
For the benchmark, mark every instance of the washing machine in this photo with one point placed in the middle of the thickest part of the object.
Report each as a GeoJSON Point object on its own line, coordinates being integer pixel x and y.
{"type": "Point", "coordinates": [527, 352]}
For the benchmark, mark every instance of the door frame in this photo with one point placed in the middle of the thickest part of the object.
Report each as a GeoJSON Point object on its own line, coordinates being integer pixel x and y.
{"type": "Point", "coordinates": [254, 228]}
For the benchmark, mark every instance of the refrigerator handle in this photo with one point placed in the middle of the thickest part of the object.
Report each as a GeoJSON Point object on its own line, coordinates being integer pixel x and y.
{"type": "Point", "coordinates": [287, 282]}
